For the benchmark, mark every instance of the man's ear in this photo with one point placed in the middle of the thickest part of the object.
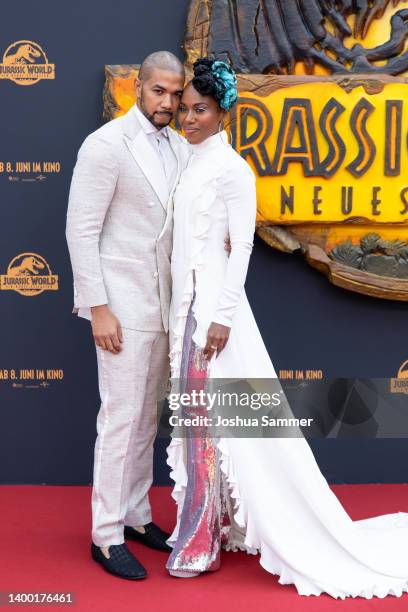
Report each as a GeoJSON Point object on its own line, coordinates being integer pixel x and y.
{"type": "Point", "coordinates": [138, 87]}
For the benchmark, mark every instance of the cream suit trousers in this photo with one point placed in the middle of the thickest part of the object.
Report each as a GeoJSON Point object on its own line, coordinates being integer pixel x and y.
{"type": "Point", "coordinates": [130, 385]}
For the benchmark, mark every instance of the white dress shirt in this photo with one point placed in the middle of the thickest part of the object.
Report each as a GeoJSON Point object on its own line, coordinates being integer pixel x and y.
{"type": "Point", "coordinates": [159, 139]}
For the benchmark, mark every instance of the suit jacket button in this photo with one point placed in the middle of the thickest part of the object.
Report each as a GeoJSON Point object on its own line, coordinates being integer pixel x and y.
{"type": "Point", "coordinates": [156, 274]}
{"type": "Point", "coordinates": [151, 204]}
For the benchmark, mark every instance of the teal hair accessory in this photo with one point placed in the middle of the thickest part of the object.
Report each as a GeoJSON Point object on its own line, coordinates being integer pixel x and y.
{"type": "Point", "coordinates": [225, 84]}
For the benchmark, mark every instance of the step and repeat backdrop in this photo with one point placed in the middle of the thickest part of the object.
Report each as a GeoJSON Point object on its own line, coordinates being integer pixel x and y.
{"type": "Point", "coordinates": [51, 81]}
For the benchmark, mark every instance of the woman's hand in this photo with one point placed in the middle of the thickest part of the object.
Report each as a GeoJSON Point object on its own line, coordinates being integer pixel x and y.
{"type": "Point", "coordinates": [217, 338]}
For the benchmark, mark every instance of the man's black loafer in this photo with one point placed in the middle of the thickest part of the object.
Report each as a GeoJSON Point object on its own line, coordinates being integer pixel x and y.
{"type": "Point", "coordinates": [154, 537]}
{"type": "Point", "coordinates": [121, 562]}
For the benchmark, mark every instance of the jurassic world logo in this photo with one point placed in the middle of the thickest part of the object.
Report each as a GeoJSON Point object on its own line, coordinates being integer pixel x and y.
{"type": "Point", "coordinates": [25, 63]}
{"type": "Point", "coordinates": [400, 384]}
{"type": "Point", "coordinates": [322, 120]}
{"type": "Point", "coordinates": [329, 156]}
{"type": "Point", "coordinates": [29, 274]}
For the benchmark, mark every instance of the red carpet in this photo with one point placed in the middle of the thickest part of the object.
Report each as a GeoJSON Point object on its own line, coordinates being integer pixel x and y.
{"type": "Point", "coordinates": [45, 539]}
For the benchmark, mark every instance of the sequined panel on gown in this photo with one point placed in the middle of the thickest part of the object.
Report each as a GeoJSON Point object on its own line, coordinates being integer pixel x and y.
{"type": "Point", "coordinates": [204, 522]}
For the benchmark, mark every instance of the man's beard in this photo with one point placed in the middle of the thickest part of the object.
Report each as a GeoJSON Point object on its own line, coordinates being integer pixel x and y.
{"type": "Point", "coordinates": [149, 116]}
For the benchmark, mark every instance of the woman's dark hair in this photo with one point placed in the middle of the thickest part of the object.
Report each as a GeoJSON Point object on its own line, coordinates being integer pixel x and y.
{"type": "Point", "coordinates": [216, 79]}
{"type": "Point", "coordinates": [204, 79]}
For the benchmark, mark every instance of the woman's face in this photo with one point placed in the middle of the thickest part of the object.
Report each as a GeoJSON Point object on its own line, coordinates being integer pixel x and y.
{"type": "Point", "coordinates": [199, 116]}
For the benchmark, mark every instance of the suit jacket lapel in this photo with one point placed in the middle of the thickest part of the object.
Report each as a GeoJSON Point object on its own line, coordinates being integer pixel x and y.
{"type": "Point", "coordinates": [146, 157]}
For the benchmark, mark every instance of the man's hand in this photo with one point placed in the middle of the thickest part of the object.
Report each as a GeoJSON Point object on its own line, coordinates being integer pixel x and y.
{"type": "Point", "coordinates": [227, 245]}
{"type": "Point", "coordinates": [106, 329]}
{"type": "Point", "coordinates": [217, 338]}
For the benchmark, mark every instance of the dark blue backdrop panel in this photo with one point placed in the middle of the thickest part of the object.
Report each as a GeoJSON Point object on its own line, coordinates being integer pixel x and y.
{"type": "Point", "coordinates": [47, 435]}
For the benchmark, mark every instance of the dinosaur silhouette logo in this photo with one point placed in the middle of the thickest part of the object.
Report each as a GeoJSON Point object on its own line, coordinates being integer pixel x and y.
{"type": "Point", "coordinates": [29, 274]}
{"type": "Point", "coordinates": [25, 63]}
{"type": "Point", "coordinates": [400, 384]}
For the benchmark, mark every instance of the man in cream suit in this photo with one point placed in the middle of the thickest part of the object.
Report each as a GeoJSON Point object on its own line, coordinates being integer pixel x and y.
{"type": "Point", "coordinates": [119, 234]}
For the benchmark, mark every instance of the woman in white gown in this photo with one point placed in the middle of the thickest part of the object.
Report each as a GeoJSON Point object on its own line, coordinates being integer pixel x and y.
{"type": "Point", "coordinates": [262, 495]}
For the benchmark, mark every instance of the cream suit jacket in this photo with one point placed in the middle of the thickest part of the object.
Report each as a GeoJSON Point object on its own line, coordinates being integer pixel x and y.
{"type": "Point", "coordinates": [119, 224]}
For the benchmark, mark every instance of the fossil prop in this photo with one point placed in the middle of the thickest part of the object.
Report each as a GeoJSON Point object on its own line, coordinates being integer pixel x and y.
{"type": "Point", "coordinates": [271, 36]}
{"type": "Point", "coordinates": [322, 119]}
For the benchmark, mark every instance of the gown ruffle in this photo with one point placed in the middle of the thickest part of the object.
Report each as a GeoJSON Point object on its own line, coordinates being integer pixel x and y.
{"type": "Point", "coordinates": [284, 508]}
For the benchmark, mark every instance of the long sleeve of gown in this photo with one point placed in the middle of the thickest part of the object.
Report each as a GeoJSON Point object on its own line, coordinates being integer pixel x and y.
{"type": "Point", "coordinates": [239, 191]}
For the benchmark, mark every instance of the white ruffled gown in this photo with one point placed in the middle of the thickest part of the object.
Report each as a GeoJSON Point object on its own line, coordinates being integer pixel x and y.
{"type": "Point", "coordinates": [284, 507]}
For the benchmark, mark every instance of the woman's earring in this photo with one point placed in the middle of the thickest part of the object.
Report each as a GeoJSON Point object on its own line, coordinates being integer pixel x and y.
{"type": "Point", "coordinates": [220, 129]}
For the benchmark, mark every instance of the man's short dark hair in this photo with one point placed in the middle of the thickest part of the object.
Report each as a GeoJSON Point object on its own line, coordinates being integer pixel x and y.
{"type": "Point", "coordinates": [164, 60]}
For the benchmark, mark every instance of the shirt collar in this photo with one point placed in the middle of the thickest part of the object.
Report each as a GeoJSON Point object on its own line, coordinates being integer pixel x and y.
{"type": "Point", "coordinates": [147, 126]}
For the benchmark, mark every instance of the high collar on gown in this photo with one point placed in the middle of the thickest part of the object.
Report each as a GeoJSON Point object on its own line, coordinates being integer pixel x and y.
{"type": "Point", "coordinates": [220, 139]}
